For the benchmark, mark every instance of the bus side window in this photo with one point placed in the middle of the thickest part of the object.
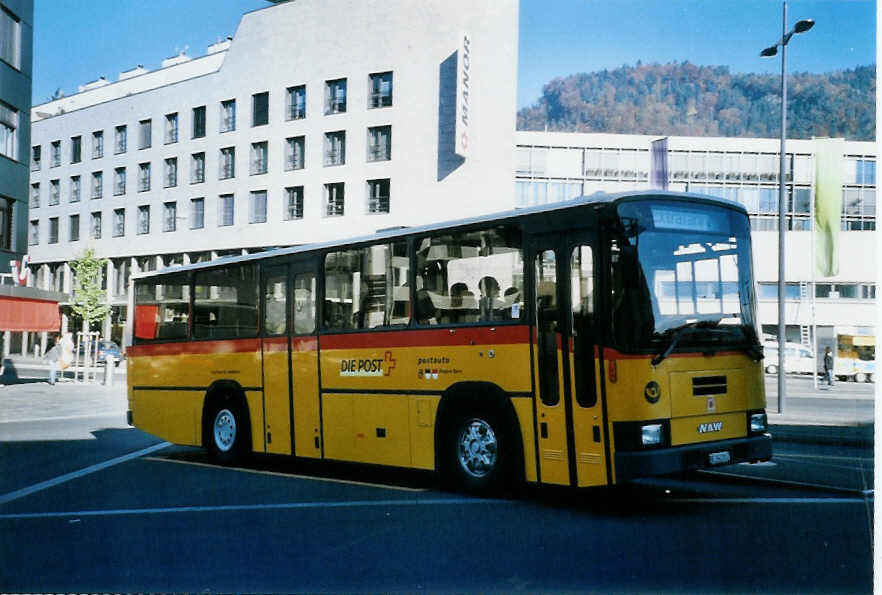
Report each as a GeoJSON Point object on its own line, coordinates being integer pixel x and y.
{"type": "Point", "coordinates": [547, 326]}
{"type": "Point", "coordinates": [304, 303]}
{"type": "Point", "coordinates": [582, 293]}
{"type": "Point", "coordinates": [274, 292]}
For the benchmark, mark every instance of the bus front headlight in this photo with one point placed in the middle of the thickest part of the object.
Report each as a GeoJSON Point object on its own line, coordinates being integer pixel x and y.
{"type": "Point", "coordinates": [758, 423]}
{"type": "Point", "coordinates": [652, 434]}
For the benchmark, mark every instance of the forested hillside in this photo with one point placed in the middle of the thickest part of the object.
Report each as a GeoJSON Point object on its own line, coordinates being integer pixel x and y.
{"type": "Point", "coordinates": [688, 100]}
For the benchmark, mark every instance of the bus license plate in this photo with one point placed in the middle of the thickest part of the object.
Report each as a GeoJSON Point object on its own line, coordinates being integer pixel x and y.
{"type": "Point", "coordinates": [719, 458]}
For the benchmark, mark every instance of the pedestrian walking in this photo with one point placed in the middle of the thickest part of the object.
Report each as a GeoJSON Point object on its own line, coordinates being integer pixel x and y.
{"type": "Point", "coordinates": [828, 367]}
{"type": "Point", "coordinates": [53, 356]}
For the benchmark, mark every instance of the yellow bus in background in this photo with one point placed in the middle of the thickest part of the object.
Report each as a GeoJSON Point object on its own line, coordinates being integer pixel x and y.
{"type": "Point", "coordinates": [583, 343]}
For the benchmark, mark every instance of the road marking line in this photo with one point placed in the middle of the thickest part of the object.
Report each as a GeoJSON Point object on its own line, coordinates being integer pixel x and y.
{"type": "Point", "coordinates": [66, 418]}
{"type": "Point", "coordinates": [293, 475]}
{"type": "Point", "coordinates": [77, 474]}
{"type": "Point", "coordinates": [769, 500]}
{"type": "Point", "coordinates": [822, 457]}
{"type": "Point", "coordinates": [250, 507]}
{"type": "Point", "coordinates": [783, 482]}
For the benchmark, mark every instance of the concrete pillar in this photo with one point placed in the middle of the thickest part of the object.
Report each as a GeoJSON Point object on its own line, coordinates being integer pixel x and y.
{"type": "Point", "coordinates": [108, 295]}
{"type": "Point", "coordinates": [25, 337]}
{"type": "Point", "coordinates": [67, 276]}
{"type": "Point", "coordinates": [44, 342]}
{"type": "Point", "coordinates": [7, 343]}
{"type": "Point", "coordinates": [65, 323]}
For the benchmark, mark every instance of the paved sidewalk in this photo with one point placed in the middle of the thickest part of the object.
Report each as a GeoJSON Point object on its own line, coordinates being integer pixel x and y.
{"type": "Point", "coordinates": [34, 401]}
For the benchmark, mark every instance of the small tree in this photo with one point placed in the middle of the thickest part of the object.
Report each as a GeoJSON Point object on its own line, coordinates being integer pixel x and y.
{"type": "Point", "coordinates": [89, 300]}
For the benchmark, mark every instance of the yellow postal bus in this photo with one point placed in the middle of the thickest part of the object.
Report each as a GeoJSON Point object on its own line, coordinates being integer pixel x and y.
{"type": "Point", "coordinates": [583, 343]}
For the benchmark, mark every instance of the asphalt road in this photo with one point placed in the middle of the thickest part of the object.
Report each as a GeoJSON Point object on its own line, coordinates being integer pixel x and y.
{"type": "Point", "coordinates": [90, 505]}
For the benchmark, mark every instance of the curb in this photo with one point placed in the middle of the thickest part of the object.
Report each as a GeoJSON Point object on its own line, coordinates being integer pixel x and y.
{"type": "Point", "coordinates": [854, 434]}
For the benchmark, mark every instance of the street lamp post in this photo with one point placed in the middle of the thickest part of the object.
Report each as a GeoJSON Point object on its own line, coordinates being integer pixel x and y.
{"type": "Point", "coordinates": [800, 27]}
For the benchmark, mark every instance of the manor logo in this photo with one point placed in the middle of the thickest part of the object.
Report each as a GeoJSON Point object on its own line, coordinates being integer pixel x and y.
{"type": "Point", "coordinates": [716, 426]}
{"type": "Point", "coordinates": [368, 367]}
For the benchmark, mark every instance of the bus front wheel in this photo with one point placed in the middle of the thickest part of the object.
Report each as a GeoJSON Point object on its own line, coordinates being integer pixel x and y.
{"type": "Point", "coordinates": [226, 432]}
{"type": "Point", "coordinates": [477, 452]}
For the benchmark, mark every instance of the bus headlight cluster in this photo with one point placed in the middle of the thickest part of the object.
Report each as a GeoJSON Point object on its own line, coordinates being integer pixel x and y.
{"type": "Point", "coordinates": [652, 434]}
{"type": "Point", "coordinates": [758, 423]}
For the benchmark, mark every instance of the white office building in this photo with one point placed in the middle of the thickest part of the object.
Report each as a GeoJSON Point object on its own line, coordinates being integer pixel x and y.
{"type": "Point", "coordinates": [316, 120]}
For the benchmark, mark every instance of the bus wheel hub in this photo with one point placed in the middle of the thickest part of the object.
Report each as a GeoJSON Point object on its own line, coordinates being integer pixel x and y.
{"type": "Point", "coordinates": [477, 448]}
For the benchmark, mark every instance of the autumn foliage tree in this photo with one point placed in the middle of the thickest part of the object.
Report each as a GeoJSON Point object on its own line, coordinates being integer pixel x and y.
{"type": "Point", "coordinates": [684, 99]}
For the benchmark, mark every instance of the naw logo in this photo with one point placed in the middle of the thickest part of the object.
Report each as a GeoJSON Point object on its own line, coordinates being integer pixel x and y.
{"type": "Point", "coordinates": [715, 426]}
{"type": "Point", "coordinates": [368, 367]}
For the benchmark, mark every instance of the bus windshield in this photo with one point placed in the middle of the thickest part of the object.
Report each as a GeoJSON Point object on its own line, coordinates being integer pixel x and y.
{"type": "Point", "coordinates": [681, 269]}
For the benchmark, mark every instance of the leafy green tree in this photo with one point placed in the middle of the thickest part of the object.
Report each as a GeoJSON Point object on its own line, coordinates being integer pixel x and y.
{"type": "Point", "coordinates": [89, 300]}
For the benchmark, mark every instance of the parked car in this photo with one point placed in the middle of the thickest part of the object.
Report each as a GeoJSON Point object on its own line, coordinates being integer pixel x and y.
{"type": "Point", "coordinates": [106, 349]}
{"type": "Point", "coordinates": [797, 359]}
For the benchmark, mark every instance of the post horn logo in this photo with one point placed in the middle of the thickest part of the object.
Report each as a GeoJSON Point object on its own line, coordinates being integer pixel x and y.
{"type": "Point", "coordinates": [652, 392]}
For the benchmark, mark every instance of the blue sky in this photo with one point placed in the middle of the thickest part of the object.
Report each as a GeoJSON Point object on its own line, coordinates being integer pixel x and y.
{"type": "Point", "coordinates": [76, 41]}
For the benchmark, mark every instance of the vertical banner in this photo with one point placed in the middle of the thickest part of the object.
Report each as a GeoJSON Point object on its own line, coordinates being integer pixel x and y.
{"type": "Point", "coordinates": [463, 90]}
{"type": "Point", "coordinates": [828, 204]}
{"type": "Point", "coordinates": [658, 168]}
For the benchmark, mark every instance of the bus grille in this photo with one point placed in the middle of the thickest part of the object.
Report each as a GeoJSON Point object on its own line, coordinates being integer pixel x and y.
{"type": "Point", "coordinates": [708, 385]}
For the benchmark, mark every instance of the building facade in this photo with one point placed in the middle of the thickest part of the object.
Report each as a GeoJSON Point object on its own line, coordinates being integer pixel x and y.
{"type": "Point", "coordinates": [273, 139]}
{"type": "Point", "coordinates": [556, 166]}
{"type": "Point", "coordinates": [16, 56]}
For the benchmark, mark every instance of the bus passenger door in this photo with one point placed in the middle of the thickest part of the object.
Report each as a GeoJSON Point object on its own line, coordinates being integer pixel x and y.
{"type": "Point", "coordinates": [551, 416]}
{"type": "Point", "coordinates": [304, 362]}
{"type": "Point", "coordinates": [290, 361]}
{"type": "Point", "coordinates": [276, 370]}
{"type": "Point", "coordinates": [569, 411]}
{"type": "Point", "coordinates": [584, 366]}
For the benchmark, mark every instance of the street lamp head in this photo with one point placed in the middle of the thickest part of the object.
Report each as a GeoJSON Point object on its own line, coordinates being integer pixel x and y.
{"type": "Point", "coordinates": [803, 25]}
{"type": "Point", "coordinates": [769, 51]}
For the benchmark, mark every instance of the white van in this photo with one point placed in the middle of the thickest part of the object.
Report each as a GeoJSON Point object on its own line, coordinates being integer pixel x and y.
{"type": "Point", "coordinates": [797, 359]}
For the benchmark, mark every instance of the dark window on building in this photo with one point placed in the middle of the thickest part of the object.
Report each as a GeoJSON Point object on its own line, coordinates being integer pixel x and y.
{"type": "Point", "coordinates": [74, 228]}
{"type": "Point", "coordinates": [199, 121]}
{"type": "Point", "coordinates": [335, 96]}
{"type": "Point", "coordinates": [380, 90]}
{"type": "Point", "coordinates": [260, 109]}
{"type": "Point", "coordinates": [296, 103]}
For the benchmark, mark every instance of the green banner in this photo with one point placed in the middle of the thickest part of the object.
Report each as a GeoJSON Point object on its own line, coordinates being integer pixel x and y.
{"type": "Point", "coordinates": [828, 204]}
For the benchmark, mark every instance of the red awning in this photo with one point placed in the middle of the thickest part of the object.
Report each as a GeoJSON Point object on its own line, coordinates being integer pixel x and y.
{"type": "Point", "coordinates": [28, 314]}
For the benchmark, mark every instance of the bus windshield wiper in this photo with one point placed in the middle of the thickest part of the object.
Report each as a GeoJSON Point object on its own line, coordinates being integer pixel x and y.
{"type": "Point", "coordinates": [752, 346]}
{"type": "Point", "coordinates": [677, 332]}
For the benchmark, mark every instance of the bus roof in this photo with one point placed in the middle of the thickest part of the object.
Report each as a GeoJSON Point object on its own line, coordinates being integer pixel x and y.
{"type": "Point", "coordinates": [598, 198]}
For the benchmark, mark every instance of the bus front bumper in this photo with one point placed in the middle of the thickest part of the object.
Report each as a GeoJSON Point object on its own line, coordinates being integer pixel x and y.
{"type": "Point", "coordinates": [632, 465]}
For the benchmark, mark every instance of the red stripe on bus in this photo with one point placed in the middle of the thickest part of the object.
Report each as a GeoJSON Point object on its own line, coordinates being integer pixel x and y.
{"type": "Point", "coordinates": [196, 347]}
{"type": "Point", "coordinates": [429, 337]}
{"type": "Point", "coordinates": [280, 344]}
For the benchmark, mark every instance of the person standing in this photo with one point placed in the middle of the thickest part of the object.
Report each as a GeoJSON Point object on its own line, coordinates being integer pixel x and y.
{"type": "Point", "coordinates": [828, 367]}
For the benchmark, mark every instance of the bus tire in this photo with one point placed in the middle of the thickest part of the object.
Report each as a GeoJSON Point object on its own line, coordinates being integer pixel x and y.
{"type": "Point", "coordinates": [771, 369]}
{"type": "Point", "coordinates": [860, 377]}
{"type": "Point", "coordinates": [478, 452]}
{"type": "Point", "coordinates": [227, 431]}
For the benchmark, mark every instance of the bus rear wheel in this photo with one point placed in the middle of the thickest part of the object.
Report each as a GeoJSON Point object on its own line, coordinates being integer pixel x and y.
{"type": "Point", "coordinates": [477, 452]}
{"type": "Point", "coordinates": [226, 431]}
